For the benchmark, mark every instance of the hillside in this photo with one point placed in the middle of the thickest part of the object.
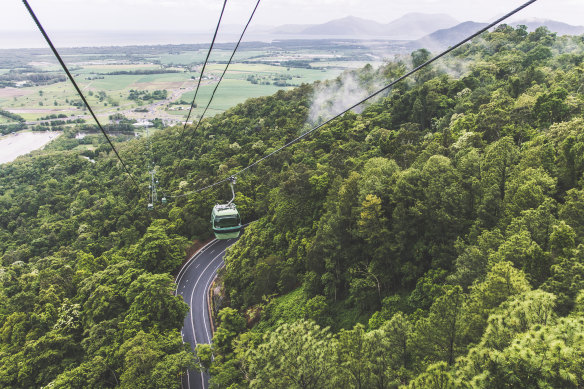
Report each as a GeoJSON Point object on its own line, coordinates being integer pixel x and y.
{"type": "Point", "coordinates": [441, 39]}
{"type": "Point", "coordinates": [346, 26]}
{"type": "Point", "coordinates": [552, 25]}
{"type": "Point", "coordinates": [416, 25]}
{"type": "Point", "coordinates": [437, 235]}
{"type": "Point", "coordinates": [408, 27]}
{"type": "Point", "coordinates": [432, 31]}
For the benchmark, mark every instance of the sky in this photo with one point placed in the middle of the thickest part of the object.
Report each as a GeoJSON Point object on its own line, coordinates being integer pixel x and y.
{"type": "Point", "coordinates": [201, 15]}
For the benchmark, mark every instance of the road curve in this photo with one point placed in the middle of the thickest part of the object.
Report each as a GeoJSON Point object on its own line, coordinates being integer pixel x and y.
{"type": "Point", "coordinates": [192, 283]}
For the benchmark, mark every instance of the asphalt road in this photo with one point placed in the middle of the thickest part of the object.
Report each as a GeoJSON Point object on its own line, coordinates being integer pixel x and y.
{"type": "Point", "coordinates": [193, 282]}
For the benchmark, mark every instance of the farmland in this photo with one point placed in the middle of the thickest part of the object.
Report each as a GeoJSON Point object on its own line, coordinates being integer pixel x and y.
{"type": "Point", "coordinates": [126, 81]}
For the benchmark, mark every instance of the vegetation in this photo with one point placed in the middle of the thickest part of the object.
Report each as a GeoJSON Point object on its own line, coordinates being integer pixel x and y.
{"type": "Point", "coordinates": [29, 77]}
{"type": "Point", "coordinates": [107, 75]}
{"type": "Point", "coordinates": [145, 95]}
{"type": "Point", "coordinates": [10, 115]}
{"type": "Point", "coordinates": [9, 128]}
{"type": "Point", "coordinates": [435, 239]}
{"type": "Point", "coordinates": [434, 223]}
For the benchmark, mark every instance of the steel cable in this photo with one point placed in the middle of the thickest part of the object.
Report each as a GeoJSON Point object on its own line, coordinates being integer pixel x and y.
{"type": "Point", "coordinates": [411, 72]}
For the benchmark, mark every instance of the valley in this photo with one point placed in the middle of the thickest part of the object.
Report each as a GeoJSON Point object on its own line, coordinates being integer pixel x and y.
{"type": "Point", "coordinates": [432, 235]}
{"type": "Point", "coordinates": [159, 82]}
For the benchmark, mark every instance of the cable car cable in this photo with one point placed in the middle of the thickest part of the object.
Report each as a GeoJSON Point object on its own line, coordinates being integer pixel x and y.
{"type": "Point", "coordinates": [227, 66]}
{"type": "Point", "coordinates": [222, 76]}
{"type": "Point", "coordinates": [304, 135]}
{"type": "Point", "coordinates": [203, 69]}
{"type": "Point", "coordinates": [200, 78]}
{"type": "Point", "coordinates": [56, 53]}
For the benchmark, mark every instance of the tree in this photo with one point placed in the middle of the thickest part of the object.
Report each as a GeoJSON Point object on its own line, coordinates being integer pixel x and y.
{"type": "Point", "coordinates": [90, 374]}
{"type": "Point", "coordinates": [353, 356]}
{"type": "Point", "coordinates": [502, 282]}
{"type": "Point", "coordinates": [398, 334]}
{"type": "Point", "coordinates": [317, 309]}
{"type": "Point", "coordinates": [551, 107]}
{"type": "Point", "coordinates": [566, 280]}
{"type": "Point", "coordinates": [497, 167]}
{"type": "Point", "coordinates": [472, 264]}
{"type": "Point", "coordinates": [297, 355]}
{"type": "Point", "coordinates": [371, 221]}
{"type": "Point", "coordinates": [153, 361]}
{"type": "Point", "coordinates": [428, 288]}
{"type": "Point", "coordinates": [518, 315]}
{"type": "Point", "coordinates": [544, 356]}
{"type": "Point", "coordinates": [442, 209]}
{"type": "Point", "coordinates": [525, 254]}
{"type": "Point", "coordinates": [572, 211]}
{"type": "Point", "coordinates": [152, 305]}
{"type": "Point", "coordinates": [494, 116]}
{"type": "Point", "coordinates": [528, 190]}
{"type": "Point", "coordinates": [436, 376]}
{"type": "Point", "coordinates": [379, 361]}
{"type": "Point", "coordinates": [231, 324]}
{"type": "Point", "coordinates": [438, 337]}
{"type": "Point", "coordinates": [159, 250]}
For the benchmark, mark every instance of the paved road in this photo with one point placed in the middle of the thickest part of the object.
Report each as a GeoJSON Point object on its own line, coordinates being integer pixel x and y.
{"type": "Point", "coordinates": [193, 282]}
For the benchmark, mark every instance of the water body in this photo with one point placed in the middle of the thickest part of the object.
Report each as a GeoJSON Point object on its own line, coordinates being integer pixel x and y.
{"type": "Point", "coordinates": [20, 143]}
{"type": "Point", "coordinates": [33, 39]}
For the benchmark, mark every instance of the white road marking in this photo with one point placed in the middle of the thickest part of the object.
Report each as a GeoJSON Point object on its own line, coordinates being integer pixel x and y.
{"type": "Point", "coordinates": [181, 273]}
{"type": "Point", "coordinates": [179, 279]}
{"type": "Point", "coordinates": [206, 303]}
{"type": "Point", "coordinates": [191, 304]}
{"type": "Point", "coordinates": [192, 259]}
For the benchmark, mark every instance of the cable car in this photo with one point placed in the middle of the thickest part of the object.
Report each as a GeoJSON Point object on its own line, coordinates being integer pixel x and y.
{"type": "Point", "coordinates": [150, 206]}
{"type": "Point", "coordinates": [225, 219]}
{"type": "Point", "coordinates": [164, 201]}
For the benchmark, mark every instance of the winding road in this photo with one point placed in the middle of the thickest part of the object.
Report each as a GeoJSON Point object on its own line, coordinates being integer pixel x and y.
{"type": "Point", "coordinates": [193, 282]}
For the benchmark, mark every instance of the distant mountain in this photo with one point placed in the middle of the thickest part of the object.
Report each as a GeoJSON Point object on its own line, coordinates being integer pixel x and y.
{"type": "Point", "coordinates": [416, 25]}
{"type": "Point", "coordinates": [443, 38]}
{"type": "Point", "coordinates": [433, 31]}
{"type": "Point", "coordinates": [555, 26]}
{"type": "Point", "coordinates": [449, 36]}
{"type": "Point", "coordinates": [290, 29]}
{"type": "Point", "coordinates": [408, 27]}
{"type": "Point", "coordinates": [346, 26]}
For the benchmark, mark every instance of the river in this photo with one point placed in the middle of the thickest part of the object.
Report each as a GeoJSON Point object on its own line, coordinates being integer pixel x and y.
{"type": "Point", "coordinates": [20, 143]}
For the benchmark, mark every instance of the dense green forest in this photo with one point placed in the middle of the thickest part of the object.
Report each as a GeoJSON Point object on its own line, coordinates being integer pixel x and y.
{"type": "Point", "coordinates": [433, 240]}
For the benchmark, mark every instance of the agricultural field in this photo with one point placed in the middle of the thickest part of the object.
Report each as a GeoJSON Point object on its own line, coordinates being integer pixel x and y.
{"type": "Point", "coordinates": [144, 83]}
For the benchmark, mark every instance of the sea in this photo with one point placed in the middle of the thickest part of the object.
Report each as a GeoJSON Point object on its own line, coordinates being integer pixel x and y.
{"type": "Point", "coordinates": [34, 39]}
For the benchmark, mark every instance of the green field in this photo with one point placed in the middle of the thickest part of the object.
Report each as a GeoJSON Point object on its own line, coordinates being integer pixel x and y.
{"type": "Point", "coordinates": [229, 94]}
{"type": "Point", "coordinates": [5, 120]}
{"type": "Point", "coordinates": [197, 57]}
{"type": "Point", "coordinates": [108, 68]}
{"type": "Point", "coordinates": [108, 94]}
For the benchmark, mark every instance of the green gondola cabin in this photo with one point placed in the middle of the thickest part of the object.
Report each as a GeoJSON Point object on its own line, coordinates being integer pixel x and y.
{"type": "Point", "coordinates": [225, 221]}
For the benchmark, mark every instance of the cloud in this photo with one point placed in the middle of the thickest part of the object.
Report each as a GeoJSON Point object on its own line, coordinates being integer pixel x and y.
{"type": "Point", "coordinates": [333, 97]}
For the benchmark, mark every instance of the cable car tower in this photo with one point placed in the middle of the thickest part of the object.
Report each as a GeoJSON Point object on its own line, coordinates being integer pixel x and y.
{"type": "Point", "coordinates": [225, 219]}
{"type": "Point", "coordinates": [153, 194]}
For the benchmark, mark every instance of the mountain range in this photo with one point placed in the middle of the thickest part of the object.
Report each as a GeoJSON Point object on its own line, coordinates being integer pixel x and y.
{"type": "Point", "coordinates": [443, 38]}
{"type": "Point", "coordinates": [555, 26]}
{"type": "Point", "coordinates": [435, 30]}
{"type": "Point", "coordinates": [408, 27]}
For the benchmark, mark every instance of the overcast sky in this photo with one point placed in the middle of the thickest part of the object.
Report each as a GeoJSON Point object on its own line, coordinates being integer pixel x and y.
{"type": "Point", "coordinates": [198, 15]}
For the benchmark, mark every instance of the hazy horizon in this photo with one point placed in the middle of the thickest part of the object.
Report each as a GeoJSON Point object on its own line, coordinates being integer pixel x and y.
{"type": "Point", "coordinates": [70, 35]}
